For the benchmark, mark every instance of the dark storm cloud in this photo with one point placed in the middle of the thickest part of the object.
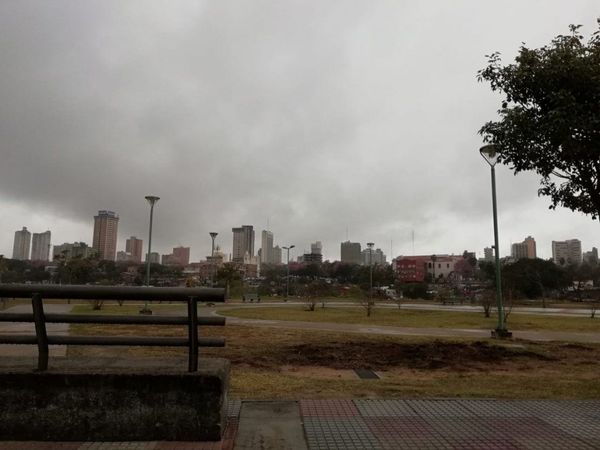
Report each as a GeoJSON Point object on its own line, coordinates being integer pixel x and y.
{"type": "Point", "coordinates": [315, 116]}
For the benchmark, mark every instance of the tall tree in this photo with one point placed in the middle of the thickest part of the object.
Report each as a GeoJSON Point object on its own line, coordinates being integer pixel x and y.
{"type": "Point", "coordinates": [550, 117]}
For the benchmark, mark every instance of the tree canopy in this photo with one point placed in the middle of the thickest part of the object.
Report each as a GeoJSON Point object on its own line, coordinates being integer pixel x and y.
{"type": "Point", "coordinates": [550, 117]}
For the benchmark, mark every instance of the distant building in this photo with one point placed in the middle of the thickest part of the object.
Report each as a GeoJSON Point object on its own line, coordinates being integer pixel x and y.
{"type": "Point", "coordinates": [488, 254]}
{"type": "Point", "coordinates": [591, 257]}
{"type": "Point", "coordinates": [134, 247]}
{"type": "Point", "coordinates": [21, 244]}
{"type": "Point", "coordinates": [316, 248]}
{"type": "Point", "coordinates": [410, 270]}
{"type": "Point", "coordinates": [376, 257]}
{"type": "Point", "coordinates": [350, 252]}
{"type": "Point", "coordinates": [106, 224]}
{"type": "Point", "coordinates": [437, 266]}
{"type": "Point", "coordinates": [266, 247]}
{"type": "Point", "coordinates": [179, 257]}
{"type": "Point", "coordinates": [311, 258]}
{"type": "Point", "coordinates": [69, 251]}
{"type": "Point", "coordinates": [40, 246]}
{"type": "Point", "coordinates": [182, 255]}
{"type": "Point", "coordinates": [154, 258]}
{"type": "Point", "coordinates": [243, 243]}
{"type": "Point", "coordinates": [124, 256]}
{"type": "Point", "coordinates": [567, 252]}
{"type": "Point", "coordinates": [524, 250]}
{"type": "Point", "coordinates": [276, 255]}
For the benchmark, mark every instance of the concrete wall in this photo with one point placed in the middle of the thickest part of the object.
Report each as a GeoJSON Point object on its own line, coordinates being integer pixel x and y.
{"type": "Point", "coordinates": [114, 405]}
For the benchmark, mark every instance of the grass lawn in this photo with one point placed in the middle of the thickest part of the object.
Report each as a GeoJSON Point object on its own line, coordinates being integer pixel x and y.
{"type": "Point", "coordinates": [129, 308]}
{"type": "Point", "coordinates": [416, 318]}
{"type": "Point", "coordinates": [292, 364]}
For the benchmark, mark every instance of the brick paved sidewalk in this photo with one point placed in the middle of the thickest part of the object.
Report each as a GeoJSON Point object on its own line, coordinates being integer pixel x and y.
{"type": "Point", "coordinates": [409, 424]}
{"type": "Point", "coordinates": [451, 424]}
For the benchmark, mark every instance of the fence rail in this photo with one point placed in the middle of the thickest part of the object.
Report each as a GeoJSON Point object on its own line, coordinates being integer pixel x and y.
{"type": "Point", "coordinates": [191, 296]}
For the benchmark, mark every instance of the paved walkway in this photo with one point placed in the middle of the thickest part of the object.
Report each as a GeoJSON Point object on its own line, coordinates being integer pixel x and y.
{"type": "Point", "coordinates": [406, 331]}
{"type": "Point", "coordinates": [388, 424]}
{"type": "Point", "coordinates": [533, 310]}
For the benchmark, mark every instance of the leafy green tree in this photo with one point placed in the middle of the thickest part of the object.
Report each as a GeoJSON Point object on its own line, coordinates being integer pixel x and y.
{"type": "Point", "coordinates": [550, 117]}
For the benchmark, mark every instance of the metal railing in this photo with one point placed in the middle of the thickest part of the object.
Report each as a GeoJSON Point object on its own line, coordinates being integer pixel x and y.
{"type": "Point", "coordinates": [191, 296]}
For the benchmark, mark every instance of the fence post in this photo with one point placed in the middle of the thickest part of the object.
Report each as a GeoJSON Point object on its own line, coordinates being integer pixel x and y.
{"type": "Point", "coordinates": [193, 334]}
{"type": "Point", "coordinates": [40, 331]}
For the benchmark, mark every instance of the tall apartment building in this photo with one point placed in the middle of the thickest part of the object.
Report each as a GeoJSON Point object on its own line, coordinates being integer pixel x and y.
{"type": "Point", "coordinates": [182, 255]}
{"type": "Point", "coordinates": [375, 257]}
{"type": "Point", "coordinates": [40, 246]}
{"type": "Point", "coordinates": [567, 252]}
{"type": "Point", "coordinates": [591, 257]}
{"type": "Point", "coordinates": [21, 244]}
{"type": "Point", "coordinates": [350, 252]}
{"type": "Point", "coordinates": [488, 254]}
{"type": "Point", "coordinates": [266, 247]}
{"type": "Point", "coordinates": [134, 247]}
{"type": "Point", "coordinates": [104, 242]}
{"type": "Point", "coordinates": [243, 243]}
{"type": "Point", "coordinates": [69, 251]}
{"type": "Point", "coordinates": [524, 250]}
{"type": "Point", "coordinates": [276, 255]}
{"type": "Point", "coordinates": [316, 248]}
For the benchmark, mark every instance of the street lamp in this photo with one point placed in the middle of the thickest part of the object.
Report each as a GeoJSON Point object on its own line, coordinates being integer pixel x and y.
{"type": "Point", "coordinates": [152, 199]}
{"type": "Point", "coordinates": [490, 154]}
{"type": "Point", "coordinates": [370, 245]}
{"type": "Point", "coordinates": [213, 235]}
{"type": "Point", "coordinates": [287, 278]}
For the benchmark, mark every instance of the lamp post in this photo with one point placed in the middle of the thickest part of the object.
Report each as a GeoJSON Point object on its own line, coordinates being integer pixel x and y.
{"type": "Point", "coordinates": [287, 278]}
{"type": "Point", "coordinates": [433, 260]}
{"type": "Point", "coordinates": [489, 153]}
{"type": "Point", "coordinates": [370, 245]}
{"type": "Point", "coordinates": [152, 199]}
{"type": "Point", "coordinates": [213, 235]}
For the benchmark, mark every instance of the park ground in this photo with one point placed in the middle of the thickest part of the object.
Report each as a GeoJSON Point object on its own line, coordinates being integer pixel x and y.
{"type": "Point", "coordinates": [286, 363]}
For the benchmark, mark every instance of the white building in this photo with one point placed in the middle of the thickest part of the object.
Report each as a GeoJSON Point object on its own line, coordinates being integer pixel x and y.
{"type": "Point", "coordinates": [377, 257]}
{"type": "Point", "coordinates": [266, 247]}
{"type": "Point", "coordinates": [40, 246]}
{"type": "Point", "coordinates": [21, 244]}
{"type": "Point", "coordinates": [276, 255]}
{"type": "Point", "coordinates": [568, 252]}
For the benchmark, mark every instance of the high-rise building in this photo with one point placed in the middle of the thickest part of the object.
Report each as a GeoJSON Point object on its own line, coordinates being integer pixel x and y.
{"type": "Point", "coordinates": [568, 252]}
{"type": "Point", "coordinates": [266, 247]}
{"type": "Point", "coordinates": [316, 248]}
{"type": "Point", "coordinates": [488, 254]}
{"type": "Point", "coordinates": [69, 251]}
{"type": "Point", "coordinates": [182, 255]}
{"type": "Point", "coordinates": [591, 257]}
{"type": "Point", "coordinates": [524, 250]}
{"type": "Point", "coordinates": [376, 257]}
{"type": "Point", "coordinates": [105, 234]}
{"type": "Point", "coordinates": [133, 246]}
{"type": "Point", "coordinates": [350, 252]}
{"type": "Point", "coordinates": [154, 258]}
{"type": "Point", "coordinates": [276, 255]}
{"type": "Point", "coordinates": [21, 244]}
{"type": "Point", "coordinates": [243, 243]}
{"type": "Point", "coordinates": [40, 246]}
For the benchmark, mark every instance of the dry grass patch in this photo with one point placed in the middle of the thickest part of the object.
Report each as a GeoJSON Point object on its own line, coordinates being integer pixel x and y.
{"type": "Point", "coordinates": [287, 363]}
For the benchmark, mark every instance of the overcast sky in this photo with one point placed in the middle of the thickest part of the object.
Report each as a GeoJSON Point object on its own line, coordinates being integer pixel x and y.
{"type": "Point", "coordinates": [320, 118]}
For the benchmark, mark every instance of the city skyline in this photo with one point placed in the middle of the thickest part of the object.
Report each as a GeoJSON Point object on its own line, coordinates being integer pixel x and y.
{"type": "Point", "coordinates": [351, 116]}
{"type": "Point", "coordinates": [249, 230]}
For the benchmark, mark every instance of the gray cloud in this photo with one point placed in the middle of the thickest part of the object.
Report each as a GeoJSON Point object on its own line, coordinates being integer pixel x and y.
{"type": "Point", "coordinates": [315, 116]}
